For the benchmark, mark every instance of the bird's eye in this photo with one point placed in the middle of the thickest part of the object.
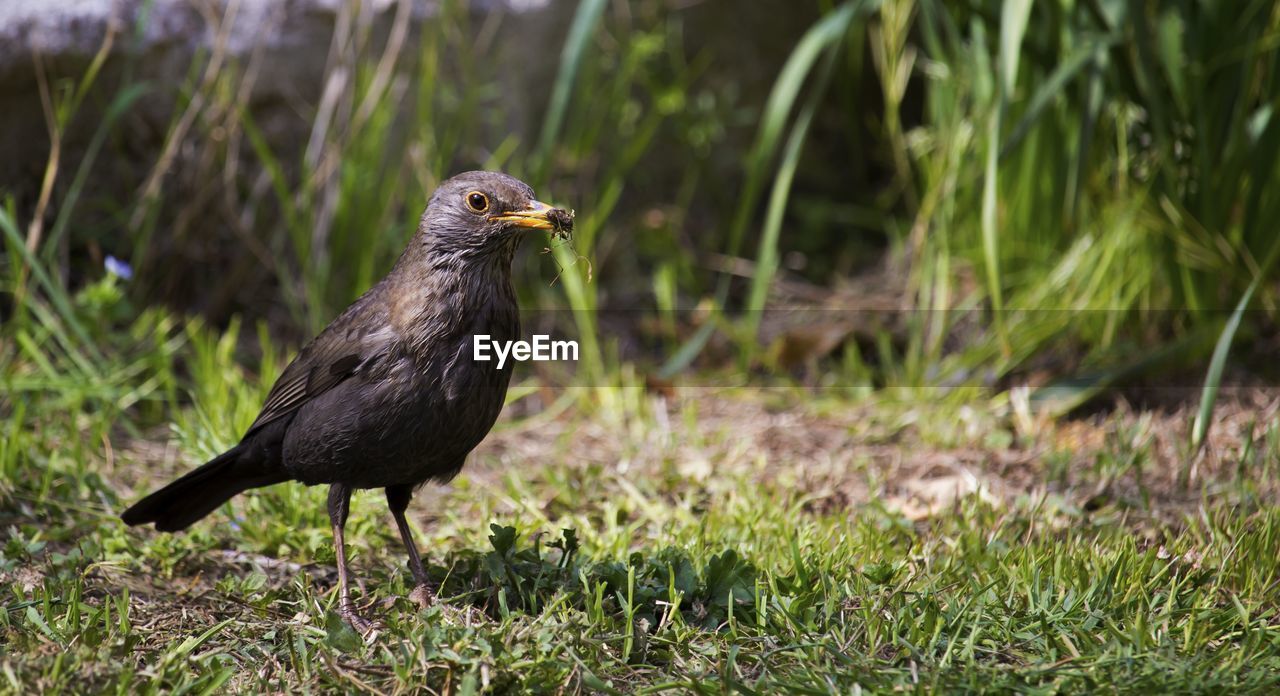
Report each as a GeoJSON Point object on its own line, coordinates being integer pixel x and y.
{"type": "Point", "coordinates": [478, 201]}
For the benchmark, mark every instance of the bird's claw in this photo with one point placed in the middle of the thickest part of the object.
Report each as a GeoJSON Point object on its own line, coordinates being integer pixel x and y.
{"type": "Point", "coordinates": [363, 626]}
{"type": "Point", "coordinates": [423, 596]}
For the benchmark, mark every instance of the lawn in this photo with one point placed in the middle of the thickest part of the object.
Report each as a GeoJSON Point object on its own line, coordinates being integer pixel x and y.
{"type": "Point", "coordinates": [760, 541]}
{"type": "Point", "coordinates": [925, 346]}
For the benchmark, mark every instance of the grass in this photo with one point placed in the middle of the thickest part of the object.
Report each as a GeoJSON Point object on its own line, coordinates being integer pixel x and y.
{"type": "Point", "coordinates": [1059, 187]}
{"type": "Point", "coordinates": [1059, 154]}
{"type": "Point", "coordinates": [730, 541]}
{"type": "Point", "coordinates": [716, 540]}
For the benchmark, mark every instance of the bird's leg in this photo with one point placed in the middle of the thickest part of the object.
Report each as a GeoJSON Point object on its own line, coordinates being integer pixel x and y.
{"type": "Point", "coordinates": [339, 506]}
{"type": "Point", "coordinates": [398, 500]}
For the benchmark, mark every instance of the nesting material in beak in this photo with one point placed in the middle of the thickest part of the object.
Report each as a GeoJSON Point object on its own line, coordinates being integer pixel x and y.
{"type": "Point", "coordinates": [540, 216]}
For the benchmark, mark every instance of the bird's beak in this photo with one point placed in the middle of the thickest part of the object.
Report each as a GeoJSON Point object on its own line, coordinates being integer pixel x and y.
{"type": "Point", "coordinates": [535, 216]}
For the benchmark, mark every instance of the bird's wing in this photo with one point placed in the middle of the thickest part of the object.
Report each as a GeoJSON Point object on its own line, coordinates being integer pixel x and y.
{"type": "Point", "coordinates": [336, 354]}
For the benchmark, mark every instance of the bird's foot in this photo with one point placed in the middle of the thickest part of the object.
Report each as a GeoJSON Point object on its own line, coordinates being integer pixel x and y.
{"type": "Point", "coordinates": [363, 626]}
{"type": "Point", "coordinates": [423, 595]}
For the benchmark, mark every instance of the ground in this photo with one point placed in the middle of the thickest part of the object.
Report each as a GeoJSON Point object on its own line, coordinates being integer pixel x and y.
{"type": "Point", "coordinates": [766, 541]}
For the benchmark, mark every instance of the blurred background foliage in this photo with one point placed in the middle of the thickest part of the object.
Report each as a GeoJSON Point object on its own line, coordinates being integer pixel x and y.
{"type": "Point", "coordinates": [1069, 195]}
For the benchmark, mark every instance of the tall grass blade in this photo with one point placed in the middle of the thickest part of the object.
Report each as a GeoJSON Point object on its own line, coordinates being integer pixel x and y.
{"type": "Point", "coordinates": [767, 256]}
{"type": "Point", "coordinates": [777, 109]}
{"type": "Point", "coordinates": [990, 228]}
{"type": "Point", "coordinates": [585, 20]}
{"type": "Point", "coordinates": [57, 294]}
{"type": "Point", "coordinates": [1053, 87]}
{"type": "Point", "coordinates": [1065, 395]}
{"type": "Point", "coordinates": [119, 106]}
{"type": "Point", "coordinates": [1264, 145]}
{"type": "Point", "coordinates": [1091, 109]}
{"type": "Point", "coordinates": [1013, 25]}
{"type": "Point", "coordinates": [688, 352]}
{"type": "Point", "coordinates": [1213, 378]}
{"type": "Point", "coordinates": [821, 39]}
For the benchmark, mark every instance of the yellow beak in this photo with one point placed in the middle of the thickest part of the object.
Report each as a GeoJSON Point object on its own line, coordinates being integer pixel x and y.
{"type": "Point", "coordinates": [536, 217]}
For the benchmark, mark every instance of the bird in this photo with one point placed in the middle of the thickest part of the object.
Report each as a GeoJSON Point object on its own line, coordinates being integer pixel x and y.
{"type": "Point", "coordinates": [389, 395]}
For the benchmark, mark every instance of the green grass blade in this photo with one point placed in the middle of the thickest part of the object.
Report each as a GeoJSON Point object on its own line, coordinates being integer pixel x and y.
{"type": "Point", "coordinates": [1213, 378]}
{"type": "Point", "coordinates": [1053, 87]}
{"type": "Point", "coordinates": [990, 230]}
{"type": "Point", "coordinates": [823, 36]}
{"type": "Point", "coordinates": [767, 256]}
{"type": "Point", "coordinates": [1013, 25]}
{"type": "Point", "coordinates": [688, 352]}
{"type": "Point", "coordinates": [57, 294]}
{"type": "Point", "coordinates": [1089, 113]}
{"type": "Point", "coordinates": [1063, 396]}
{"type": "Point", "coordinates": [584, 22]}
{"type": "Point", "coordinates": [119, 106]}
{"type": "Point", "coordinates": [782, 98]}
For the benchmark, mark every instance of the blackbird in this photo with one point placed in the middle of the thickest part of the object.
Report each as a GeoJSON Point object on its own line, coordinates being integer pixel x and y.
{"type": "Point", "coordinates": [388, 395]}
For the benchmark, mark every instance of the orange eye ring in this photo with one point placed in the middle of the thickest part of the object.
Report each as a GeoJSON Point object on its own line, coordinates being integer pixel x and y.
{"type": "Point", "coordinates": [477, 202]}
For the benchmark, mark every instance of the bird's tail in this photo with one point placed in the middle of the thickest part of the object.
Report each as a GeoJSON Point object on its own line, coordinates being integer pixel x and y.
{"type": "Point", "coordinates": [200, 492]}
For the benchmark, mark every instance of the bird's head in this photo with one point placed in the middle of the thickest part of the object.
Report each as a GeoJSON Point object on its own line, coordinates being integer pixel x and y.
{"type": "Point", "coordinates": [482, 213]}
